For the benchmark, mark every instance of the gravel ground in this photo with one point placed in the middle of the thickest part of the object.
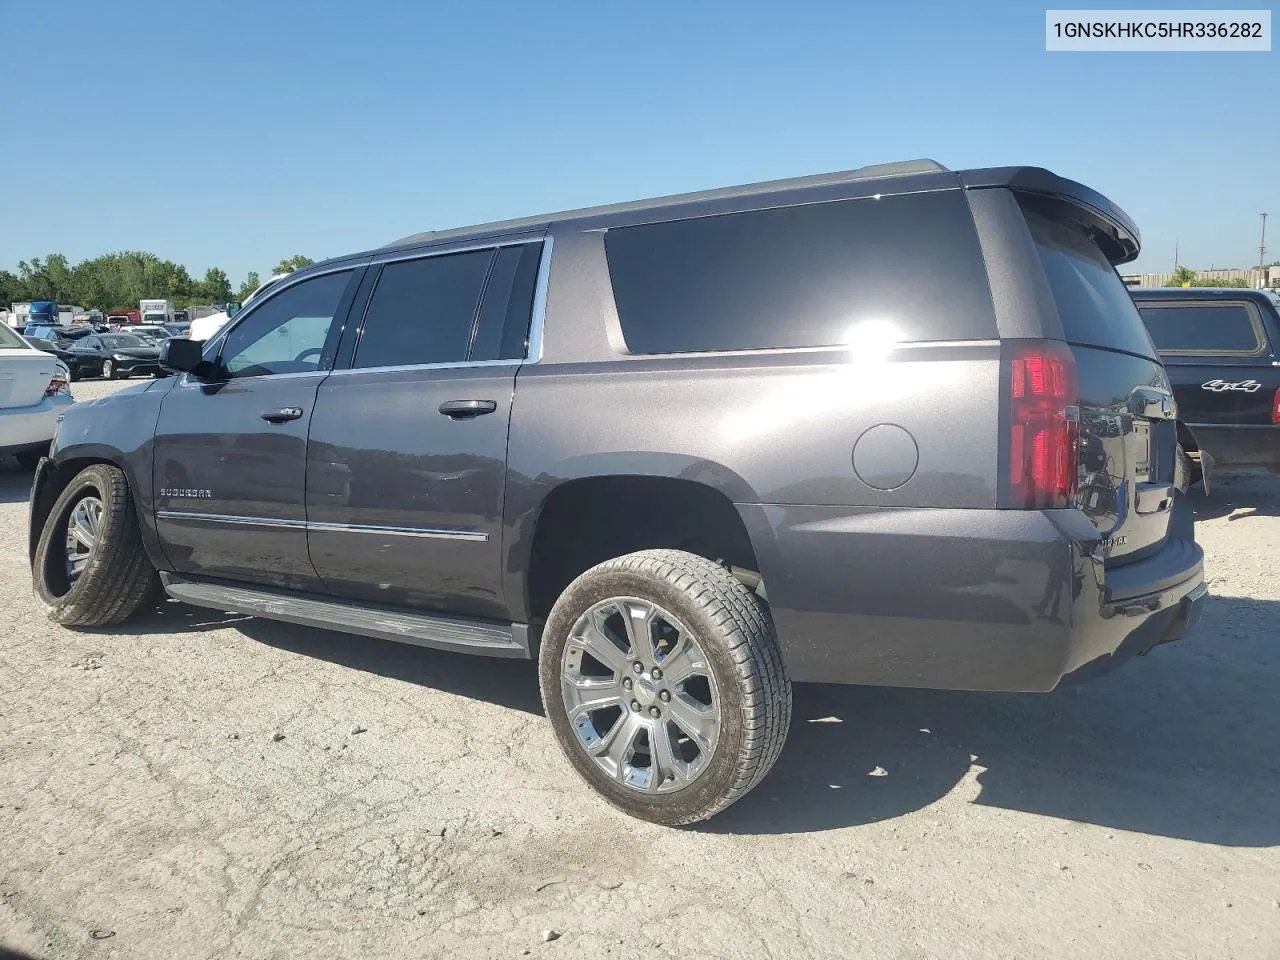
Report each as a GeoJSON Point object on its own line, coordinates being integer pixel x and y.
{"type": "Point", "coordinates": [199, 785]}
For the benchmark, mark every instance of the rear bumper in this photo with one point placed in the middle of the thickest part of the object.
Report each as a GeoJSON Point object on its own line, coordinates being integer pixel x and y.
{"type": "Point", "coordinates": [964, 599]}
{"type": "Point", "coordinates": [25, 428]}
{"type": "Point", "coordinates": [1239, 445]}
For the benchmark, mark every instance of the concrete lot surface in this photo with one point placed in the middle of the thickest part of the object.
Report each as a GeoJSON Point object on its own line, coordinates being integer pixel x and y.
{"type": "Point", "coordinates": [193, 785]}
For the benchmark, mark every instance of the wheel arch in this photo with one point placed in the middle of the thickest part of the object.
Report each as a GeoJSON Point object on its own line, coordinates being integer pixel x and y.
{"type": "Point", "coordinates": [56, 473]}
{"type": "Point", "coordinates": [587, 519]}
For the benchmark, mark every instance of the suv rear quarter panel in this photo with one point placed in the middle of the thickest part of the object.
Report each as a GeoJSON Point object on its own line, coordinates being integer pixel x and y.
{"type": "Point", "coordinates": [774, 431]}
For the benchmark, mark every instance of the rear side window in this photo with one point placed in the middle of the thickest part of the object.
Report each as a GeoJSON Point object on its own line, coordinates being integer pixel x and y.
{"type": "Point", "coordinates": [1225, 329]}
{"type": "Point", "coordinates": [802, 276]}
{"type": "Point", "coordinates": [503, 331]}
{"type": "Point", "coordinates": [1093, 302]}
{"type": "Point", "coordinates": [423, 311]}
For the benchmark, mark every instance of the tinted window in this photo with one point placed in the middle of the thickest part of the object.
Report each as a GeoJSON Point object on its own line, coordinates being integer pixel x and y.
{"type": "Point", "coordinates": [120, 341]}
{"type": "Point", "coordinates": [423, 311]}
{"type": "Point", "coordinates": [802, 276]}
{"type": "Point", "coordinates": [288, 333]}
{"type": "Point", "coordinates": [1202, 328]}
{"type": "Point", "coordinates": [503, 331]}
{"type": "Point", "coordinates": [1093, 302]}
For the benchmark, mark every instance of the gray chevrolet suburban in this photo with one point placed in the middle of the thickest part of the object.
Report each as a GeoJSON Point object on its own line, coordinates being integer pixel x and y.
{"type": "Point", "coordinates": [901, 425]}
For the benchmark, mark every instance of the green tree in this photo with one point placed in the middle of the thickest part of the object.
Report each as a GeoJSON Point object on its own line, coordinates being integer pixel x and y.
{"type": "Point", "coordinates": [296, 262]}
{"type": "Point", "coordinates": [49, 279]}
{"type": "Point", "coordinates": [11, 288]}
{"type": "Point", "coordinates": [1210, 282]}
{"type": "Point", "coordinates": [215, 287]}
{"type": "Point", "coordinates": [1181, 276]}
{"type": "Point", "coordinates": [251, 283]}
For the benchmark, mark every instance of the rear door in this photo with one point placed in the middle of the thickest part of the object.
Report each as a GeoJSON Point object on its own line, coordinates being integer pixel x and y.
{"type": "Point", "coordinates": [1219, 356]}
{"type": "Point", "coordinates": [406, 469]}
{"type": "Point", "coordinates": [1128, 435]}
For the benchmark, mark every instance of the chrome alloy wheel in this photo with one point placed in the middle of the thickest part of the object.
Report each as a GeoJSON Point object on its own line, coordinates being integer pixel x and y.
{"type": "Point", "coordinates": [84, 524]}
{"type": "Point", "coordinates": [640, 695]}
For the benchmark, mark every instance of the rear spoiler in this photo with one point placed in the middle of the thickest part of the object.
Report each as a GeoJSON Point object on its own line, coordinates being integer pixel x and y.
{"type": "Point", "coordinates": [1110, 227]}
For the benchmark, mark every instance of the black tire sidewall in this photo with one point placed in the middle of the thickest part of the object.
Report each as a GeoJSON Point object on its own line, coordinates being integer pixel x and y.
{"type": "Point", "coordinates": [705, 793]}
{"type": "Point", "coordinates": [54, 535]}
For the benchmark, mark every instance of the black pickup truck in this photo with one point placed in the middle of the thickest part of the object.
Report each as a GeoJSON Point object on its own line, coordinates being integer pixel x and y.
{"type": "Point", "coordinates": [1221, 347]}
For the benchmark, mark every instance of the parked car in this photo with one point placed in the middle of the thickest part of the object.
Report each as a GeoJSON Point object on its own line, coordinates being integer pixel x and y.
{"type": "Point", "coordinates": [34, 390]}
{"type": "Point", "coordinates": [1222, 350]}
{"type": "Point", "coordinates": [114, 355]}
{"type": "Point", "coordinates": [178, 328]}
{"type": "Point", "coordinates": [59, 349]}
{"type": "Point", "coordinates": [63, 334]}
{"type": "Point", "coordinates": [682, 451]}
{"type": "Point", "coordinates": [153, 333]}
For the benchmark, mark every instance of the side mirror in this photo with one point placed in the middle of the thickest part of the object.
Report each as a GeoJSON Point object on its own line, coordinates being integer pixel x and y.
{"type": "Point", "coordinates": [183, 356]}
{"type": "Point", "coordinates": [232, 309]}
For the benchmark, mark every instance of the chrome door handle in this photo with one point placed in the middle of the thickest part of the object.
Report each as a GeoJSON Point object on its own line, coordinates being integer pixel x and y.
{"type": "Point", "coordinates": [283, 415]}
{"type": "Point", "coordinates": [465, 409]}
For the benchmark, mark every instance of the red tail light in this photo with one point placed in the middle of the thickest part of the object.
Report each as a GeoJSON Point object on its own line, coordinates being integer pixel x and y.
{"type": "Point", "coordinates": [56, 386]}
{"type": "Point", "coordinates": [1044, 426]}
{"type": "Point", "coordinates": [1275, 408]}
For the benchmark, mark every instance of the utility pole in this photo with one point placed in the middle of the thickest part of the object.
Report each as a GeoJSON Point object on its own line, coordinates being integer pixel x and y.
{"type": "Point", "coordinates": [1262, 243]}
{"type": "Point", "coordinates": [1175, 255]}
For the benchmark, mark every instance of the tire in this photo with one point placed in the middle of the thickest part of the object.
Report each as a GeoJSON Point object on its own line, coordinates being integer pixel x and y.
{"type": "Point", "coordinates": [745, 680]}
{"type": "Point", "coordinates": [30, 459]}
{"type": "Point", "coordinates": [117, 578]}
{"type": "Point", "coordinates": [108, 370]}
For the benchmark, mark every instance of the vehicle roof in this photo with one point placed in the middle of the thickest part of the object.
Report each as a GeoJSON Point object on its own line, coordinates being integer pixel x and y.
{"type": "Point", "coordinates": [1202, 293]}
{"type": "Point", "coordinates": [928, 174]}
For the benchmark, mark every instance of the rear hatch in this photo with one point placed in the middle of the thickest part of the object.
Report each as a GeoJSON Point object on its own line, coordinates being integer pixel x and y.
{"type": "Point", "coordinates": [1220, 355]}
{"type": "Point", "coordinates": [1127, 430]}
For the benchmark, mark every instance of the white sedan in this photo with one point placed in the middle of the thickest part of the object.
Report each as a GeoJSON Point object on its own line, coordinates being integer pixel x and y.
{"type": "Point", "coordinates": [34, 388]}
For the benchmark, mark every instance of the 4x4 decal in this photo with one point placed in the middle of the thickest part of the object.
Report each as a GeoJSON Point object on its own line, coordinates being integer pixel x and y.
{"type": "Point", "coordinates": [1220, 386]}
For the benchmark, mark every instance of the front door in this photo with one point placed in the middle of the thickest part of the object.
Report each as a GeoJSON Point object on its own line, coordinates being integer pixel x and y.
{"type": "Point", "coordinates": [406, 469]}
{"type": "Point", "coordinates": [231, 449]}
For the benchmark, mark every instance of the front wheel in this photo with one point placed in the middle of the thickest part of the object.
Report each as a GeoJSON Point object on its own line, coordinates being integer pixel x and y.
{"type": "Point", "coordinates": [108, 370]}
{"type": "Point", "coordinates": [663, 679]}
{"type": "Point", "coordinates": [90, 568]}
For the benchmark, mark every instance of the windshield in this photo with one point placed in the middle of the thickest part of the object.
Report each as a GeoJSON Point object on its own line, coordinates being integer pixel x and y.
{"type": "Point", "coordinates": [119, 341]}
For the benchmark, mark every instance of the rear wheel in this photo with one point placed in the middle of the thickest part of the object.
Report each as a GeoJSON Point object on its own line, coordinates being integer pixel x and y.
{"type": "Point", "coordinates": [663, 680]}
{"type": "Point", "coordinates": [90, 569]}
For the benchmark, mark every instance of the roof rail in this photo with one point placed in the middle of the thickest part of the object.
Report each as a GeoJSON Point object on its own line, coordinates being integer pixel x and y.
{"type": "Point", "coordinates": [872, 172]}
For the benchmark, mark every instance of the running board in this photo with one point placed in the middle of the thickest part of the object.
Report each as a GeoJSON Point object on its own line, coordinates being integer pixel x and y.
{"type": "Point", "coordinates": [402, 626]}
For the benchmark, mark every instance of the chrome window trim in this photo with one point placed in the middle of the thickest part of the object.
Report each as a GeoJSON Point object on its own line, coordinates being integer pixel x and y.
{"type": "Point", "coordinates": [537, 322]}
{"type": "Point", "coordinates": [456, 365]}
{"type": "Point", "coordinates": [478, 536]}
{"type": "Point", "coordinates": [468, 247]}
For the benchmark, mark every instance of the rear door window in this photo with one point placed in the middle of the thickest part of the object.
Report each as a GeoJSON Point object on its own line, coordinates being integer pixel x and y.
{"type": "Point", "coordinates": [424, 311]}
{"type": "Point", "coordinates": [1093, 302]}
{"type": "Point", "coordinates": [802, 276]}
{"type": "Point", "coordinates": [1204, 329]}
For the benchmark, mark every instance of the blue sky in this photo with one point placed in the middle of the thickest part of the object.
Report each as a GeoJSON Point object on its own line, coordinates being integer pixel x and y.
{"type": "Point", "coordinates": [235, 133]}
